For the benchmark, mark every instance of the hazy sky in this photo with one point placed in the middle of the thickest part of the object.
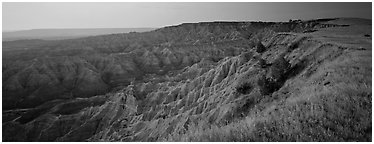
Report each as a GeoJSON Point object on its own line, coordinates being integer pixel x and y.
{"type": "Point", "coordinates": [18, 16]}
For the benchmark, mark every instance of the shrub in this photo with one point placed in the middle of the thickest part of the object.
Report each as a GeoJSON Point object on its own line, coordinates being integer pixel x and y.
{"type": "Point", "coordinates": [260, 48]}
{"type": "Point", "coordinates": [268, 86]}
{"type": "Point", "coordinates": [310, 31]}
{"type": "Point", "coordinates": [262, 63]}
{"type": "Point", "coordinates": [278, 68]}
{"type": "Point", "coordinates": [244, 88]}
{"type": "Point", "coordinates": [296, 43]}
{"type": "Point", "coordinates": [275, 78]}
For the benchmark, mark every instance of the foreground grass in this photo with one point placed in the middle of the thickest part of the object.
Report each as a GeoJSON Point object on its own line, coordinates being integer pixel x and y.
{"type": "Point", "coordinates": [334, 104]}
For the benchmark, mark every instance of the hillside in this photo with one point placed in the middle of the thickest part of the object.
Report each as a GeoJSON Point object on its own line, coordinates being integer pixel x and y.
{"type": "Point", "coordinates": [211, 81]}
{"type": "Point", "coordinates": [59, 34]}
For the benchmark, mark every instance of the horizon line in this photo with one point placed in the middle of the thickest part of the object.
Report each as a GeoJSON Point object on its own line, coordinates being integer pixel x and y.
{"type": "Point", "coordinates": [157, 27]}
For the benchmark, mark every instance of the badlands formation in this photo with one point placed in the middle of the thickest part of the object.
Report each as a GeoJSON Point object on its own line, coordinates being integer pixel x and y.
{"type": "Point", "coordinates": [210, 81]}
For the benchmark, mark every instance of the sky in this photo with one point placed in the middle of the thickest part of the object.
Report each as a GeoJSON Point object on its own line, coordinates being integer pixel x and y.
{"type": "Point", "coordinates": [41, 15]}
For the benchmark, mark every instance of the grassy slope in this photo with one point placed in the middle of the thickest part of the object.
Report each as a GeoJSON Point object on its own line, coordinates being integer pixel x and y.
{"type": "Point", "coordinates": [333, 104]}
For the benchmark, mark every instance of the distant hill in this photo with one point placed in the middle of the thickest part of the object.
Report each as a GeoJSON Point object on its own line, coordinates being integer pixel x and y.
{"type": "Point", "coordinates": [58, 34]}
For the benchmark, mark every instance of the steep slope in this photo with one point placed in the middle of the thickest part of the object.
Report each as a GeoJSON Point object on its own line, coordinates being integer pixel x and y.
{"type": "Point", "coordinates": [95, 65]}
{"type": "Point", "coordinates": [91, 66]}
{"type": "Point", "coordinates": [308, 84]}
{"type": "Point", "coordinates": [326, 95]}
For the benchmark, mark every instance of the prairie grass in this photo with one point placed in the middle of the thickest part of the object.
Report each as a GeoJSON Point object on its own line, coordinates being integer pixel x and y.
{"type": "Point", "coordinates": [333, 104]}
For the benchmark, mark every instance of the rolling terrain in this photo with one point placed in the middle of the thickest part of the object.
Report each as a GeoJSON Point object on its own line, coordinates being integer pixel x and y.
{"type": "Point", "coordinates": [59, 34]}
{"type": "Point", "coordinates": [209, 81]}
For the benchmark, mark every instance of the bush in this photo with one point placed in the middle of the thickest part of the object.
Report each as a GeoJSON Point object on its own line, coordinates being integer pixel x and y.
{"type": "Point", "coordinates": [268, 86]}
{"type": "Point", "coordinates": [262, 63]}
{"type": "Point", "coordinates": [296, 43]}
{"type": "Point", "coordinates": [260, 48]}
{"type": "Point", "coordinates": [310, 31]}
{"type": "Point", "coordinates": [275, 78]}
{"type": "Point", "coordinates": [244, 88]}
{"type": "Point", "coordinates": [278, 68]}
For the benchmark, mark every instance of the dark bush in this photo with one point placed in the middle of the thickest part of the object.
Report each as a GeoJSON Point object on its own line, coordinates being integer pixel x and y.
{"type": "Point", "coordinates": [247, 56]}
{"type": "Point", "coordinates": [268, 86]}
{"type": "Point", "coordinates": [275, 78]}
{"type": "Point", "coordinates": [309, 31]}
{"type": "Point", "coordinates": [262, 63]}
{"type": "Point", "coordinates": [244, 88]}
{"type": "Point", "coordinates": [260, 48]}
{"type": "Point", "coordinates": [279, 67]}
{"type": "Point", "coordinates": [296, 43]}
